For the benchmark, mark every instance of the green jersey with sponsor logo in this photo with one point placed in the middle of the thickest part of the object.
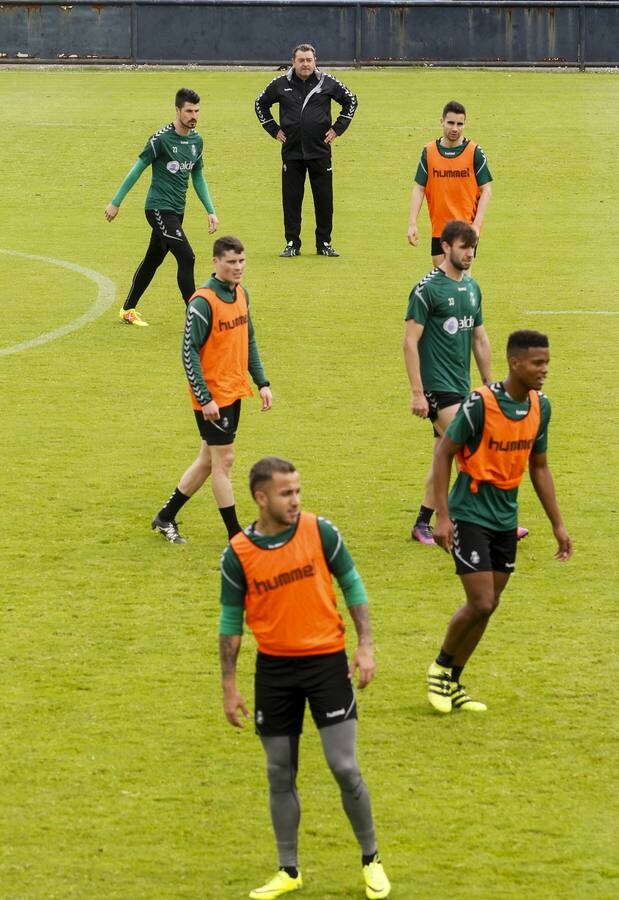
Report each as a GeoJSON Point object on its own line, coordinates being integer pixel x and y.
{"type": "Point", "coordinates": [172, 156]}
{"type": "Point", "coordinates": [449, 311]}
{"type": "Point", "coordinates": [491, 506]}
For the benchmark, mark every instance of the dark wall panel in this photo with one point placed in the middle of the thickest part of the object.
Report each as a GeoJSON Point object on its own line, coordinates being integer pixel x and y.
{"type": "Point", "coordinates": [262, 32]}
{"type": "Point", "coordinates": [601, 35]}
{"type": "Point", "coordinates": [493, 34]}
{"type": "Point", "coordinates": [58, 31]}
{"type": "Point", "coordinates": [243, 34]}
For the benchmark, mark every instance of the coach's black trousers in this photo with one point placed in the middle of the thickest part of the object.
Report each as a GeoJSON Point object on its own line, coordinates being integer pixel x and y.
{"type": "Point", "coordinates": [293, 186]}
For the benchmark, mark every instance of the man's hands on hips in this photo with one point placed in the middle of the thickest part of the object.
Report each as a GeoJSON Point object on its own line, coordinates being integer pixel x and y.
{"type": "Point", "coordinates": [280, 136]}
{"type": "Point", "coordinates": [330, 136]}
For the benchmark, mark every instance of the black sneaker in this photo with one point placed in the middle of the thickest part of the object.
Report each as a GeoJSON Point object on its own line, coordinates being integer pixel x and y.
{"type": "Point", "coordinates": [290, 250]}
{"type": "Point", "coordinates": [326, 250]}
{"type": "Point", "coordinates": [168, 529]}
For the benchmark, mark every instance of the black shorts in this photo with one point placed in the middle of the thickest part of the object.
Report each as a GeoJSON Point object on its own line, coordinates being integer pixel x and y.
{"type": "Point", "coordinates": [223, 430]}
{"type": "Point", "coordinates": [284, 683]}
{"type": "Point", "coordinates": [438, 400]}
{"type": "Point", "coordinates": [437, 250]}
{"type": "Point", "coordinates": [167, 228]}
{"type": "Point", "coordinates": [479, 549]}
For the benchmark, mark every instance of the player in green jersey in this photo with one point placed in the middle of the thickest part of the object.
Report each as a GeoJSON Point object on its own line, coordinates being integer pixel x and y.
{"type": "Point", "coordinates": [175, 153]}
{"type": "Point", "coordinates": [444, 323]}
{"type": "Point", "coordinates": [496, 433]}
{"type": "Point", "coordinates": [450, 203]}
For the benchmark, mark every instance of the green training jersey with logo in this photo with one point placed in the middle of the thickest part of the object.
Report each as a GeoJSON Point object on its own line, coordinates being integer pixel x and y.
{"type": "Point", "coordinates": [449, 311]}
{"type": "Point", "coordinates": [490, 507]}
{"type": "Point", "coordinates": [172, 156]}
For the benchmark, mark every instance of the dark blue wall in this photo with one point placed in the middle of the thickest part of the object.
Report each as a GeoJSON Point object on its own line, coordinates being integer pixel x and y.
{"type": "Point", "coordinates": [348, 32]}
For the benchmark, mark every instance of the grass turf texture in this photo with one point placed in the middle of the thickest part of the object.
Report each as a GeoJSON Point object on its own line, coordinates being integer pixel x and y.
{"type": "Point", "coordinates": [120, 776]}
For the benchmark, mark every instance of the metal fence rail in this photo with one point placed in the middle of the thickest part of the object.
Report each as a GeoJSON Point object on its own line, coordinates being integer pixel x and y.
{"type": "Point", "coordinates": [347, 32]}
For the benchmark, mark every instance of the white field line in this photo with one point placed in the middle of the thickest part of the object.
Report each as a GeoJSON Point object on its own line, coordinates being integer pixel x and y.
{"type": "Point", "coordinates": [105, 298]}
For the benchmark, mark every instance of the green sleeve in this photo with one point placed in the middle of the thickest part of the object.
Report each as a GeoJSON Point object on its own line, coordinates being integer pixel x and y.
{"type": "Point", "coordinates": [201, 189]}
{"type": "Point", "coordinates": [541, 441]}
{"type": "Point", "coordinates": [478, 319]}
{"type": "Point", "coordinates": [421, 175]}
{"type": "Point", "coordinates": [256, 369]}
{"type": "Point", "coordinates": [419, 304]}
{"type": "Point", "coordinates": [480, 164]}
{"type": "Point", "coordinates": [232, 597]}
{"type": "Point", "coordinates": [353, 588]}
{"type": "Point", "coordinates": [341, 564]}
{"type": "Point", "coordinates": [337, 556]}
{"type": "Point", "coordinates": [130, 179]}
{"type": "Point", "coordinates": [197, 329]}
{"type": "Point", "coordinates": [468, 422]}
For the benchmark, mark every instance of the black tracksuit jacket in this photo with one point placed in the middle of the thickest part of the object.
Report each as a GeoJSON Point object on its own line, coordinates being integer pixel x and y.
{"type": "Point", "coordinates": [305, 112]}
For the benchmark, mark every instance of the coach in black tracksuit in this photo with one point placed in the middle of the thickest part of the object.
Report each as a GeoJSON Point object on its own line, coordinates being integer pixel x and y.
{"type": "Point", "coordinates": [305, 132]}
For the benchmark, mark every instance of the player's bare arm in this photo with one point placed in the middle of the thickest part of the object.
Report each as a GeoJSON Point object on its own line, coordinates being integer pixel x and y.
{"type": "Point", "coordinates": [485, 192]}
{"type": "Point", "coordinates": [443, 459]}
{"type": "Point", "coordinates": [363, 657]}
{"type": "Point", "coordinates": [229, 646]}
{"type": "Point", "coordinates": [412, 336]}
{"type": "Point", "coordinates": [417, 195]}
{"type": "Point", "coordinates": [482, 353]}
{"type": "Point", "coordinates": [542, 480]}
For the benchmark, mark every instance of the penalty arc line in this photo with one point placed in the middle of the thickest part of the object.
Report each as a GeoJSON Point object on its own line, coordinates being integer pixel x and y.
{"type": "Point", "coordinates": [105, 298]}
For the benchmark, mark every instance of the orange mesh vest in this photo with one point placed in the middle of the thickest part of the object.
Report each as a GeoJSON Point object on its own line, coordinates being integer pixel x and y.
{"type": "Point", "coordinates": [503, 452]}
{"type": "Point", "coordinates": [290, 603]}
{"type": "Point", "coordinates": [452, 191]}
{"type": "Point", "coordinates": [224, 357]}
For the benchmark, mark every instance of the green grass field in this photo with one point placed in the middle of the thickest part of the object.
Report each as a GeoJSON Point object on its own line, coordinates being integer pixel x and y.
{"type": "Point", "coordinates": [120, 777]}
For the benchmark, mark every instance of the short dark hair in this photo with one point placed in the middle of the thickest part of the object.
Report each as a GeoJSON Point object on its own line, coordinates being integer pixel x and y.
{"type": "Point", "coordinates": [185, 95]}
{"type": "Point", "coordinates": [519, 341]}
{"type": "Point", "coordinates": [454, 107]}
{"type": "Point", "coordinates": [264, 470]}
{"type": "Point", "coordinates": [304, 48]}
{"type": "Point", "coordinates": [456, 230]}
{"type": "Point", "coordinates": [226, 243]}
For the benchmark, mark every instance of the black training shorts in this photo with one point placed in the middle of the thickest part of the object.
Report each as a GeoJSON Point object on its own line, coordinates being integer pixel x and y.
{"type": "Point", "coordinates": [167, 228]}
{"type": "Point", "coordinates": [223, 430]}
{"type": "Point", "coordinates": [438, 400]}
{"type": "Point", "coordinates": [284, 683]}
{"type": "Point", "coordinates": [479, 549]}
